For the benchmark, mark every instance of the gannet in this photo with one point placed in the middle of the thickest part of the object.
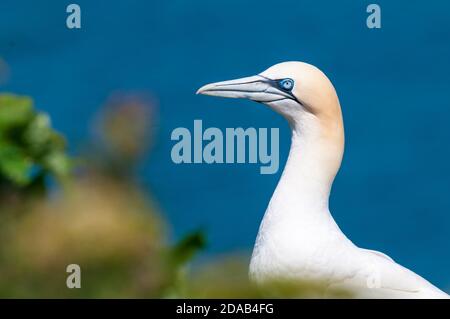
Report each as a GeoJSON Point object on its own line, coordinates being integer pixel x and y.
{"type": "Point", "coordinates": [298, 238]}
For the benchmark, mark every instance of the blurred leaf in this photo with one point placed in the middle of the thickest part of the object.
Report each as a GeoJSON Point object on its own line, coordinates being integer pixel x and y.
{"type": "Point", "coordinates": [14, 111]}
{"type": "Point", "coordinates": [38, 133]}
{"type": "Point", "coordinates": [187, 247]}
{"type": "Point", "coordinates": [40, 137]}
{"type": "Point", "coordinates": [58, 163]}
{"type": "Point", "coordinates": [27, 141]}
{"type": "Point", "coordinates": [14, 164]}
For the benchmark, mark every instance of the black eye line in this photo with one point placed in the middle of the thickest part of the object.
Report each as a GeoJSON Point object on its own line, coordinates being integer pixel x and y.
{"type": "Point", "coordinates": [274, 83]}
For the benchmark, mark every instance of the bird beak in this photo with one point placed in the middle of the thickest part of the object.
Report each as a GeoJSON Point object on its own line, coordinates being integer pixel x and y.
{"type": "Point", "coordinates": [256, 88]}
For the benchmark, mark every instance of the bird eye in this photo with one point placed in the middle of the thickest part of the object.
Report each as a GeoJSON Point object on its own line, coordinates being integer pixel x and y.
{"type": "Point", "coordinates": [286, 84]}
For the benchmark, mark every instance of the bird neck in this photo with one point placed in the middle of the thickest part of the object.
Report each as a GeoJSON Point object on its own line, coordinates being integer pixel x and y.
{"type": "Point", "coordinates": [317, 147]}
{"type": "Point", "coordinates": [297, 221]}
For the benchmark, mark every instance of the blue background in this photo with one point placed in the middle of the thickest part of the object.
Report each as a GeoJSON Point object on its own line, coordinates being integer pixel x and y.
{"type": "Point", "coordinates": [392, 193]}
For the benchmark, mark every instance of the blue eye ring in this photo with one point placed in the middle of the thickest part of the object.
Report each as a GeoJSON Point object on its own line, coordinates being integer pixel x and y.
{"type": "Point", "coordinates": [286, 84]}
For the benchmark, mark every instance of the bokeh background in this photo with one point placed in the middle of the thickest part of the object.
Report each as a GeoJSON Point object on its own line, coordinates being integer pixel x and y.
{"type": "Point", "coordinates": [392, 193]}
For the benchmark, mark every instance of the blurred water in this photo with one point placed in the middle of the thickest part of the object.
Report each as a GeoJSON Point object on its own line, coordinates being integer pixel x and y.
{"type": "Point", "coordinates": [394, 86]}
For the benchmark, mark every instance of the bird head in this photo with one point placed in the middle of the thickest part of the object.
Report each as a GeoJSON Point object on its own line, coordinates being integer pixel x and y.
{"type": "Point", "coordinates": [294, 89]}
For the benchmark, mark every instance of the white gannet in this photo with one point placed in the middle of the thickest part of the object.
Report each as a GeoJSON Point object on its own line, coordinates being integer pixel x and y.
{"type": "Point", "coordinates": [298, 238]}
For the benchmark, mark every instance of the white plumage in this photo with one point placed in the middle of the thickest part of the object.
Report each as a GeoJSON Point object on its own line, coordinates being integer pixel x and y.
{"type": "Point", "coordinates": [298, 238]}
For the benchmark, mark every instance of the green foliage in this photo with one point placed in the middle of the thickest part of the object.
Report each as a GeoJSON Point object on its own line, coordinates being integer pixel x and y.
{"type": "Point", "coordinates": [29, 147]}
{"type": "Point", "coordinates": [177, 259]}
{"type": "Point", "coordinates": [187, 247]}
{"type": "Point", "coordinates": [102, 221]}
